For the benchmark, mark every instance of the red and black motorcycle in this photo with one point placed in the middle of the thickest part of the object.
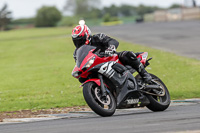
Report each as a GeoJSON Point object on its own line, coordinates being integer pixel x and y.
{"type": "Point", "coordinates": [109, 85]}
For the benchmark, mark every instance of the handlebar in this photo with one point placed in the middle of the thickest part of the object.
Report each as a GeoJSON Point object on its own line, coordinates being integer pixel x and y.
{"type": "Point", "coordinates": [102, 54]}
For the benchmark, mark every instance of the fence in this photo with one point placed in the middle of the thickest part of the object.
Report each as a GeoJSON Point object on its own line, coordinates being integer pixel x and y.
{"type": "Point", "coordinates": [176, 14]}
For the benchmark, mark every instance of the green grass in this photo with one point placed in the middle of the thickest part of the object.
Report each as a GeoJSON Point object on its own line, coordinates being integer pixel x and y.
{"type": "Point", "coordinates": [36, 65]}
{"type": "Point", "coordinates": [36, 69]}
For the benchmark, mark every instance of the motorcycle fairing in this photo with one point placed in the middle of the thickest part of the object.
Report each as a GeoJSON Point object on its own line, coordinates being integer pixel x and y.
{"type": "Point", "coordinates": [83, 52]}
{"type": "Point", "coordinates": [97, 81]}
{"type": "Point", "coordinates": [76, 72]}
{"type": "Point", "coordinates": [130, 86]}
{"type": "Point", "coordinates": [143, 57]}
{"type": "Point", "coordinates": [125, 83]}
{"type": "Point", "coordinates": [80, 71]}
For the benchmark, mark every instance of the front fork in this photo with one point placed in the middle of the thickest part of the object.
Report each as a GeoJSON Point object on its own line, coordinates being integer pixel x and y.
{"type": "Point", "coordinates": [99, 82]}
{"type": "Point", "coordinates": [103, 90]}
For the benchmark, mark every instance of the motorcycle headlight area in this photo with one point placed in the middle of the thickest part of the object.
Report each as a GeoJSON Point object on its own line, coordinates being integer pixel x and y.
{"type": "Point", "coordinates": [89, 63]}
{"type": "Point", "coordinates": [76, 74]}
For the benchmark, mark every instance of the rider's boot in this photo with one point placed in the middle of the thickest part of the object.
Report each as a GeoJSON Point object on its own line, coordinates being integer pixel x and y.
{"type": "Point", "coordinates": [144, 74]}
{"type": "Point", "coordinates": [139, 67]}
{"type": "Point", "coordinates": [130, 58]}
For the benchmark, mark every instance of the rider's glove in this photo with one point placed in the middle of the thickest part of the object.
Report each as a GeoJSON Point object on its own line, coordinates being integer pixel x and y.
{"type": "Point", "coordinates": [111, 50]}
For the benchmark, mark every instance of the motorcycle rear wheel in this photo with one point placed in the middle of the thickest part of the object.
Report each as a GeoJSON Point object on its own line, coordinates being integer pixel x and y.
{"type": "Point", "coordinates": [158, 103]}
{"type": "Point", "coordinates": [103, 106]}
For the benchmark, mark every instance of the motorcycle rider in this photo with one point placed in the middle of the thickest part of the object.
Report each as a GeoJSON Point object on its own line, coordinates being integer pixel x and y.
{"type": "Point", "coordinates": [81, 35]}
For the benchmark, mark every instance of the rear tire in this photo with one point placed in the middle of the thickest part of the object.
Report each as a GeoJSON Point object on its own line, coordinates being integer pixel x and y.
{"type": "Point", "coordinates": [103, 107]}
{"type": "Point", "coordinates": [158, 103]}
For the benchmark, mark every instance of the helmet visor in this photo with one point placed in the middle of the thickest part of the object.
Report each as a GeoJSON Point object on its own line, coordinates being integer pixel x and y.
{"type": "Point", "coordinates": [78, 42]}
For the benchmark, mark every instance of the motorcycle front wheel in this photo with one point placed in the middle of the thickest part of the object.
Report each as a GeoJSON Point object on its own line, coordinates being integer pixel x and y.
{"type": "Point", "coordinates": [103, 106]}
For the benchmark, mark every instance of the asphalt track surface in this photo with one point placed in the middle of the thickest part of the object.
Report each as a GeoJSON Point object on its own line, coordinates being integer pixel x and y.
{"type": "Point", "coordinates": [182, 38]}
{"type": "Point", "coordinates": [174, 119]}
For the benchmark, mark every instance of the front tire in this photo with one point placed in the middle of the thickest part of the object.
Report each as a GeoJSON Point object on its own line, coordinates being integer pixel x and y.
{"type": "Point", "coordinates": [102, 106]}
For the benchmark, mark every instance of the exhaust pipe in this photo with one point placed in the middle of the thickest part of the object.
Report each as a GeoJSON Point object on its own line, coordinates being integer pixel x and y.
{"type": "Point", "coordinates": [152, 87]}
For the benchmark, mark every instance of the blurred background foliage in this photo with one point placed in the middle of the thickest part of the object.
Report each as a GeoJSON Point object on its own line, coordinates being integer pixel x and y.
{"type": "Point", "coordinates": [47, 17]}
{"type": "Point", "coordinates": [5, 17]}
{"type": "Point", "coordinates": [74, 10]}
{"type": "Point", "coordinates": [90, 10]}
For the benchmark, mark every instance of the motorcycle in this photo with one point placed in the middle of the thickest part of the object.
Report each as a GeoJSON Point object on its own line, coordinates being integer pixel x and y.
{"type": "Point", "coordinates": [109, 85]}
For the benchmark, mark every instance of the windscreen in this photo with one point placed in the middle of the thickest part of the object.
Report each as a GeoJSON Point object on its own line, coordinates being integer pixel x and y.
{"type": "Point", "coordinates": [82, 52]}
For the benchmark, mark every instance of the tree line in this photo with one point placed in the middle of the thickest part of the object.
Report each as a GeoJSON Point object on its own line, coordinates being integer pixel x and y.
{"type": "Point", "coordinates": [5, 17]}
{"type": "Point", "coordinates": [48, 16]}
